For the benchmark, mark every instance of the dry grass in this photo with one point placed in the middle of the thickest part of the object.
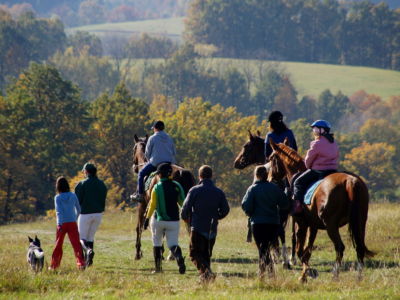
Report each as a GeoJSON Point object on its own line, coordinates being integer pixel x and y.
{"type": "Point", "coordinates": [116, 274]}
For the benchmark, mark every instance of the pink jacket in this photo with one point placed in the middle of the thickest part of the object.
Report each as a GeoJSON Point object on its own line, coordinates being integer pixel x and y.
{"type": "Point", "coordinates": [322, 155]}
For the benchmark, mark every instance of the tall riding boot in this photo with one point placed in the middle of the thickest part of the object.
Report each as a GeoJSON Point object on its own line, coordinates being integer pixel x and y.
{"type": "Point", "coordinates": [157, 251]}
{"type": "Point", "coordinates": [297, 207]}
{"type": "Point", "coordinates": [90, 253]}
{"type": "Point", "coordinates": [177, 252]}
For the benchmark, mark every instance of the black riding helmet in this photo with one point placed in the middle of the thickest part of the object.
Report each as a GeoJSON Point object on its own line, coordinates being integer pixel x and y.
{"type": "Point", "coordinates": [164, 169]}
{"type": "Point", "coordinates": [275, 116]}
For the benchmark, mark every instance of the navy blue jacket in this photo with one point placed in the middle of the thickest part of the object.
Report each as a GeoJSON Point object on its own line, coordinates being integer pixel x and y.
{"type": "Point", "coordinates": [204, 205]}
{"type": "Point", "coordinates": [279, 138]}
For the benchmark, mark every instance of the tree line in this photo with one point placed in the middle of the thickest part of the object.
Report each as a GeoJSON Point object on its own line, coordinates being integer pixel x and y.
{"type": "Point", "coordinates": [353, 33]}
{"type": "Point", "coordinates": [47, 130]}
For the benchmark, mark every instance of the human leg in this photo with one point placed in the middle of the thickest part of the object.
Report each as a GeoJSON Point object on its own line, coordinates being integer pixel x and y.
{"type": "Point", "coordinates": [73, 234]}
{"type": "Point", "coordinates": [172, 235]}
{"type": "Point", "coordinates": [58, 251]}
{"type": "Point", "coordinates": [147, 169]}
{"type": "Point", "coordinates": [157, 232]}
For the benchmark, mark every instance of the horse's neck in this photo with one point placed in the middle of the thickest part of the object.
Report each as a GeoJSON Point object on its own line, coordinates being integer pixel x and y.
{"type": "Point", "coordinates": [292, 171]}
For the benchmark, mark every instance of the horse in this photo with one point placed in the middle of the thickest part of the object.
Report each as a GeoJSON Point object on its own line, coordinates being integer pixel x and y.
{"type": "Point", "coordinates": [253, 153]}
{"type": "Point", "coordinates": [341, 198]}
{"type": "Point", "coordinates": [183, 176]}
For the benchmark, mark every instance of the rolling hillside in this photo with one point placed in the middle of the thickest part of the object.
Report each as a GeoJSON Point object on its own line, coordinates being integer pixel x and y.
{"type": "Point", "coordinates": [172, 27]}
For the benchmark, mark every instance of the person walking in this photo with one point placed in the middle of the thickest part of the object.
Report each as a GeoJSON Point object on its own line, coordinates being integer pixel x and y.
{"type": "Point", "coordinates": [160, 148]}
{"type": "Point", "coordinates": [165, 198]}
{"type": "Point", "coordinates": [204, 206]}
{"type": "Point", "coordinates": [261, 203]}
{"type": "Point", "coordinates": [67, 210]}
{"type": "Point", "coordinates": [92, 193]}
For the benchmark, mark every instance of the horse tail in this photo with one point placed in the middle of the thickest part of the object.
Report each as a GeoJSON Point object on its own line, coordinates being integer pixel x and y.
{"type": "Point", "coordinates": [186, 180]}
{"type": "Point", "coordinates": [359, 199]}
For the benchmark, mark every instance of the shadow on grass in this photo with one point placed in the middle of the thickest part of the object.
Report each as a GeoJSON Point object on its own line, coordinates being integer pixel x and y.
{"type": "Point", "coordinates": [352, 265]}
{"type": "Point", "coordinates": [235, 260]}
{"type": "Point", "coordinates": [238, 274]}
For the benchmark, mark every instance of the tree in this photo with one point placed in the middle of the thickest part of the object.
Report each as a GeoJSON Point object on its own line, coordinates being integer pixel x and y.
{"type": "Point", "coordinates": [374, 162]}
{"type": "Point", "coordinates": [43, 131]}
{"type": "Point", "coordinates": [116, 119]}
{"type": "Point", "coordinates": [83, 42]}
{"type": "Point", "coordinates": [333, 107]}
{"type": "Point", "coordinates": [94, 75]}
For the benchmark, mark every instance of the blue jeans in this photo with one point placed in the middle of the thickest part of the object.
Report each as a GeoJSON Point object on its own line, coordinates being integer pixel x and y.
{"type": "Point", "coordinates": [305, 180]}
{"type": "Point", "coordinates": [147, 170]}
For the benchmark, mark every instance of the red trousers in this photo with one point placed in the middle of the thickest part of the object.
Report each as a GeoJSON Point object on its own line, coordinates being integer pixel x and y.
{"type": "Point", "coordinates": [72, 229]}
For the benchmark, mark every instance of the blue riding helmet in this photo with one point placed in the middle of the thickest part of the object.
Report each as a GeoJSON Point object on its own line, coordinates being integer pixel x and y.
{"type": "Point", "coordinates": [321, 124]}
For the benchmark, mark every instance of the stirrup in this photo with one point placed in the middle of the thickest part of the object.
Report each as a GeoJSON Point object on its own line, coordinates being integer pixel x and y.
{"type": "Point", "coordinates": [136, 197]}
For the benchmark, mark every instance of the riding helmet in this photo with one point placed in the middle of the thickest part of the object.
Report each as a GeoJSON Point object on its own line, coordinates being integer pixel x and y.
{"type": "Point", "coordinates": [321, 124]}
{"type": "Point", "coordinates": [275, 116]}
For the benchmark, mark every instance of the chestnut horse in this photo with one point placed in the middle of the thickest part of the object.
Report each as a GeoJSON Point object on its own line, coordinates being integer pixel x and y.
{"type": "Point", "coordinates": [253, 153]}
{"type": "Point", "coordinates": [183, 176]}
{"type": "Point", "coordinates": [341, 198]}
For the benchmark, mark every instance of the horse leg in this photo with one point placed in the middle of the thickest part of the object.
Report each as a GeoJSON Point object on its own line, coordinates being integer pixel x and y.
{"type": "Point", "coordinates": [293, 256]}
{"type": "Point", "coordinates": [139, 230]}
{"type": "Point", "coordinates": [334, 235]}
{"type": "Point", "coordinates": [308, 250]}
{"type": "Point", "coordinates": [282, 225]}
{"type": "Point", "coordinates": [301, 235]}
{"type": "Point", "coordinates": [138, 242]}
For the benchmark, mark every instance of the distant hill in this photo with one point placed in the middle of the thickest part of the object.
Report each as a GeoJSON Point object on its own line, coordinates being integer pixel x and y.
{"type": "Point", "coordinates": [172, 28]}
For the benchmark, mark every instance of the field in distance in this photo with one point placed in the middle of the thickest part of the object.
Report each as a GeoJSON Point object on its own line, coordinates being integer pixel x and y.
{"type": "Point", "coordinates": [116, 275]}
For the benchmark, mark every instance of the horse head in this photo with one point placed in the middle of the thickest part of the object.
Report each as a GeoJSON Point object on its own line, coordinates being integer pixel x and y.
{"type": "Point", "coordinates": [139, 150]}
{"type": "Point", "coordinates": [251, 153]}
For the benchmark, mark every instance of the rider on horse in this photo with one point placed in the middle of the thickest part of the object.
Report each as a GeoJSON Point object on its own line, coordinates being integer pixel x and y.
{"type": "Point", "coordinates": [160, 148]}
{"type": "Point", "coordinates": [321, 160]}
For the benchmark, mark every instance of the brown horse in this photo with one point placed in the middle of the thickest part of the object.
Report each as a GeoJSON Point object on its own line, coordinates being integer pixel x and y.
{"type": "Point", "coordinates": [183, 176]}
{"type": "Point", "coordinates": [340, 199]}
{"type": "Point", "coordinates": [253, 153]}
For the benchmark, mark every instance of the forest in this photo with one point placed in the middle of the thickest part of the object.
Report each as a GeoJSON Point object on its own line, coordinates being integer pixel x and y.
{"type": "Point", "coordinates": [63, 102]}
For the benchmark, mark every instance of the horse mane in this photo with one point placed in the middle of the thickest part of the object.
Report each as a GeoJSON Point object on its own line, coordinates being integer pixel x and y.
{"type": "Point", "coordinates": [290, 157]}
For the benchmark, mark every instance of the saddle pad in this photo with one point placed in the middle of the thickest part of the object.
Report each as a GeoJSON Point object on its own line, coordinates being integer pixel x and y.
{"type": "Point", "coordinates": [147, 181]}
{"type": "Point", "coordinates": [310, 192]}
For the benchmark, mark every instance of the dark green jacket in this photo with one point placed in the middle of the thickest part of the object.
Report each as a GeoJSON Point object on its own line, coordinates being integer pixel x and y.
{"type": "Point", "coordinates": [263, 201]}
{"type": "Point", "coordinates": [92, 193]}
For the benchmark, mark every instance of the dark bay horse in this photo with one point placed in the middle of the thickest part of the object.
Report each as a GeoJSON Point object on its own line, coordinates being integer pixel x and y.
{"type": "Point", "coordinates": [340, 199]}
{"type": "Point", "coordinates": [183, 176]}
{"type": "Point", "coordinates": [253, 153]}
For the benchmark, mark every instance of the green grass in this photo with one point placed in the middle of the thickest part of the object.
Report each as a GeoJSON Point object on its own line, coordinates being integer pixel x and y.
{"type": "Point", "coordinates": [116, 275]}
{"type": "Point", "coordinates": [312, 78]}
{"type": "Point", "coordinates": [172, 27]}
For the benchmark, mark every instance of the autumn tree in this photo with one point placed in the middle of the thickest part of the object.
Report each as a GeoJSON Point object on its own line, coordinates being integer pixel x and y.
{"type": "Point", "coordinates": [117, 117]}
{"type": "Point", "coordinates": [43, 134]}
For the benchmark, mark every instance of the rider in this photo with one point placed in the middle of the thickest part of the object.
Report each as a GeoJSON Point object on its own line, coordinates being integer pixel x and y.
{"type": "Point", "coordinates": [160, 148]}
{"type": "Point", "coordinates": [321, 160]}
{"type": "Point", "coordinates": [278, 132]}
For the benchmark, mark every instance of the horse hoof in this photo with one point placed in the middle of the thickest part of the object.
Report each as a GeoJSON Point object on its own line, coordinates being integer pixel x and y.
{"type": "Point", "coordinates": [139, 255]}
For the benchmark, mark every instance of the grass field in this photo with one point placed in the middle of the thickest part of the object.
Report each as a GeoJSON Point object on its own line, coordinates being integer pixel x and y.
{"type": "Point", "coordinates": [310, 79]}
{"type": "Point", "coordinates": [172, 27]}
{"type": "Point", "coordinates": [116, 275]}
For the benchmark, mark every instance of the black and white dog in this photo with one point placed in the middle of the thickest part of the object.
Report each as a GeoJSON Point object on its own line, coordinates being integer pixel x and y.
{"type": "Point", "coordinates": [35, 255]}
